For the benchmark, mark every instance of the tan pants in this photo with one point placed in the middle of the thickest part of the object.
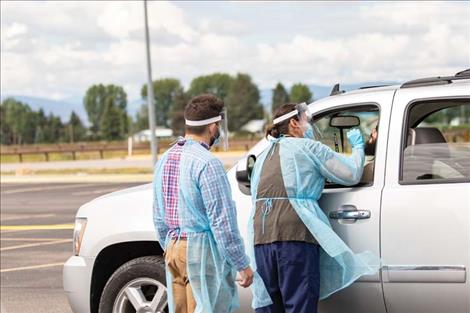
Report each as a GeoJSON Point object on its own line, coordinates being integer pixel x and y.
{"type": "Point", "coordinates": [175, 258]}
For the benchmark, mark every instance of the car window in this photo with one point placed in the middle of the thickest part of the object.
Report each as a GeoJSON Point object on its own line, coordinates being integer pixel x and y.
{"type": "Point", "coordinates": [333, 134]}
{"type": "Point", "coordinates": [437, 143]}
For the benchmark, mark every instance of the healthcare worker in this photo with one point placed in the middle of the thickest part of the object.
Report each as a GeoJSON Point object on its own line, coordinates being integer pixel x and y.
{"type": "Point", "coordinates": [297, 254]}
{"type": "Point", "coordinates": [195, 217]}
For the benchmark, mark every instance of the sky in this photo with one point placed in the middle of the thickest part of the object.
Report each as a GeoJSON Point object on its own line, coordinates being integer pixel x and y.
{"type": "Point", "coordinates": [58, 49]}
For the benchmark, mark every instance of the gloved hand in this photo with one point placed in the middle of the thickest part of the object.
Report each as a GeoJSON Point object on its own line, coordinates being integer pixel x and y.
{"type": "Point", "coordinates": [355, 138]}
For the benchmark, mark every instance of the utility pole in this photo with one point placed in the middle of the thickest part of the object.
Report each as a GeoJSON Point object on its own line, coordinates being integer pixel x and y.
{"type": "Point", "coordinates": [150, 97]}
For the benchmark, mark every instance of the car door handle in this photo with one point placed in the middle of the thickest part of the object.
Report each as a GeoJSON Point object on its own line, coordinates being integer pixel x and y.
{"type": "Point", "coordinates": [349, 212]}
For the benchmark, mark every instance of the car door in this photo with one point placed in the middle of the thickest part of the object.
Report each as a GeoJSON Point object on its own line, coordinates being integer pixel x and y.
{"type": "Point", "coordinates": [361, 235]}
{"type": "Point", "coordinates": [426, 202]}
{"type": "Point", "coordinates": [365, 295]}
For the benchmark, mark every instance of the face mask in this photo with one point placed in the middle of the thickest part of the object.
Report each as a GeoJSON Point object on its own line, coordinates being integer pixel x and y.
{"type": "Point", "coordinates": [215, 139]}
{"type": "Point", "coordinates": [308, 133]}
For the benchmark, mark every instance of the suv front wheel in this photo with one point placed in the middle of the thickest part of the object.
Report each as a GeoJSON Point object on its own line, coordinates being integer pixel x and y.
{"type": "Point", "coordinates": [136, 286]}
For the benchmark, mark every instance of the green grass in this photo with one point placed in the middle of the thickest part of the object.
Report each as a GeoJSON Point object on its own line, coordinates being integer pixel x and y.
{"type": "Point", "coordinates": [68, 156]}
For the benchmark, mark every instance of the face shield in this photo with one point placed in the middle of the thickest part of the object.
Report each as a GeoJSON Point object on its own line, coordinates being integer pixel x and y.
{"type": "Point", "coordinates": [221, 138]}
{"type": "Point", "coordinates": [299, 111]}
{"type": "Point", "coordinates": [302, 112]}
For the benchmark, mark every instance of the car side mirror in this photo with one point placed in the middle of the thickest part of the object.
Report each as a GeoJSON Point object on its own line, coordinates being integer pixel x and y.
{"type": "Point", "coordinates": [243, 174]}
{"type": "Point", "coordinates": [348, 121]}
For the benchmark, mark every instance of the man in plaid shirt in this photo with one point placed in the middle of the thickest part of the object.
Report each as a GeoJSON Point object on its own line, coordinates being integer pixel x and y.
{"type": "Point", "coordinates": [210, 196]}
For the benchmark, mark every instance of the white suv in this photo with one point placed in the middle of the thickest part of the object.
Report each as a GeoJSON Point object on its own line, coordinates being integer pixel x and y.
{"type": "Point", "coordinates": [412, 208]}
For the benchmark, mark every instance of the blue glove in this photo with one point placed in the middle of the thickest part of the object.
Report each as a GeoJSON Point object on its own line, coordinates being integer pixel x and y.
{"type": "Point", "coordinates": [355, 139]}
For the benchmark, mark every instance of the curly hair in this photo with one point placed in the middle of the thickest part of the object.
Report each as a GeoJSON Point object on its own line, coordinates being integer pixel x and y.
{"type": "Point", "coordinates": [200, 108]}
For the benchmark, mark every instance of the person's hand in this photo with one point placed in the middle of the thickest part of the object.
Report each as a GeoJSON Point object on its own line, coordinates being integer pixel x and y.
{"type": "Point", "coordinates": [246, 277]}
{"type": "Point", "coordinates": [355, 138]}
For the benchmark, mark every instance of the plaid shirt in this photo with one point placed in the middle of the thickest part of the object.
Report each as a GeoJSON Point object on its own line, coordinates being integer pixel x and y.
{"type": "Point", "coordinates": [171, 172]}
{"type": "Point", "coordinates": [216, 201]}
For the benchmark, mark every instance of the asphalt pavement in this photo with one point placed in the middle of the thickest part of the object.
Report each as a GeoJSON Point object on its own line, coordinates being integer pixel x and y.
{"type": "Point", "coordinates": [36, 240]}
{"type": "Point", "coordinates": [140, 161]}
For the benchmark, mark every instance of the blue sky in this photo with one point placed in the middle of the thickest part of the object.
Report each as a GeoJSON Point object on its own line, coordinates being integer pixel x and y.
{"type": "Point", "coordinates": [58, 49]}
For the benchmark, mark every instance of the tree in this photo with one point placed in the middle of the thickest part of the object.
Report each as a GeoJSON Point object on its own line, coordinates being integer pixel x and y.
{"type": "Point", "coordinates": [280, 97]}
{"type": "Point", "coordinates": [111, 122]}
{"type": "Point", "coordinates": [20, 122]}
{"type": "Point", "coordinates": [75, 131]}
{"type": "Point", "coordinates": [217, 84]}
{"type": "Point", "coordinates": [164, 90]}
{"type": "Point", "coordinates": [242, 102]}
{"type": "Point", "coordinates": [97, 99]}
{"type": "Point", "coordinates": [54, 130]}
{"type": "Point", "coordinates": [41, 124]}
{"type": "Point", "coordinates": [5, 131]}
{"type": "Point", "coordinates": [300, 93]}
{"type": "Point", "coordinates": [94, 105]}
{"type": "Point", "coordinates": [21, 125]}
{"type": "Point", "coordinates": [142, 118]}
{"type": "Point", "coordinates": [177, 113]}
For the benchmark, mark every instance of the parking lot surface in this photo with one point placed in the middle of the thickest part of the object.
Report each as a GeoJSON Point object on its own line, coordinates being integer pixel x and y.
{"type": "Point", "coordinates": [36, 240]}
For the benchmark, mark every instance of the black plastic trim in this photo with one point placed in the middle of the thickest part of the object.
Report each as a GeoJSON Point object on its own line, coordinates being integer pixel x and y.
{"type": "Point", "coordinates": [439, 80]}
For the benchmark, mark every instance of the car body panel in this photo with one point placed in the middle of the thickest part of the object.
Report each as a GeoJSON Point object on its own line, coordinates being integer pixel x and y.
{"type": "Point", "coordinates": [425, 227]}
{"type": "Point", "coordinates": [76, 279]}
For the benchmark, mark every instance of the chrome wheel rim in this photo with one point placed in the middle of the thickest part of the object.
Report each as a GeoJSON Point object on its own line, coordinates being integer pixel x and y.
{"type": "Point", "coordinates": [141, 295]}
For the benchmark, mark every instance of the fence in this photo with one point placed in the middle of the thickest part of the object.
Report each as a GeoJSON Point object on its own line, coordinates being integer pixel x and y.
{"type": "Point", "coordinates": [102, 147]}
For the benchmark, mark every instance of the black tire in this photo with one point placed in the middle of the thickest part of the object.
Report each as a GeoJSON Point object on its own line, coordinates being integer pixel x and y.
{"type": "Point", "coordinates": [147, 266]}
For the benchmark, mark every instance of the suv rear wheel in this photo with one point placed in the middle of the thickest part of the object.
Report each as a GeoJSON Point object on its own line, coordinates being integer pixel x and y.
{"type": "Point", "coordinates": [137, 286]}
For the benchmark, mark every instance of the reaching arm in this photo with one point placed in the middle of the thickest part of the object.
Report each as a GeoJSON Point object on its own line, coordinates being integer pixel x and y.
{"type": "Point", "coordinates": [338, 168]}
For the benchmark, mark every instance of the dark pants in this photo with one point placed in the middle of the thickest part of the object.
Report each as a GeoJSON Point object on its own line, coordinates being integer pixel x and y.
{"type": "Point", "coordinates": [290, 271]}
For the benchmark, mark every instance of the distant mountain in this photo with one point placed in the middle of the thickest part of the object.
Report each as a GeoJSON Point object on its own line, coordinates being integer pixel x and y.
{"type": "Point", "coordinates": [319, 91]}
{"type": "Point", "coordinates": [64, 108]}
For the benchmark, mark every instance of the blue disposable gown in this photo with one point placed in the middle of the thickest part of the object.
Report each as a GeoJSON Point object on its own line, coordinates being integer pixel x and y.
{"type": "Point", "coordinates": [211, 276]}
{"type": "Point", "coordinates": [305, 164]}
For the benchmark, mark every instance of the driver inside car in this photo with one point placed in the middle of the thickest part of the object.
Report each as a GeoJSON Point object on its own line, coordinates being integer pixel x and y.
{"type": "Point", "coordinates": [369, 150]}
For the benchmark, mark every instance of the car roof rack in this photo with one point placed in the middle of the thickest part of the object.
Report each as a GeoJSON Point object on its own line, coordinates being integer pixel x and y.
{"type": "Point", "coordinates": [439, 80]}
{"type": "Point", "coordinates": [373, 86]}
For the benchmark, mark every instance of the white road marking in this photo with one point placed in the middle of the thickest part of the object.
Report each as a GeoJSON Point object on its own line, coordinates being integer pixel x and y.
{"type": "Point", "coordinates": [11, 217]}
{"type": "Point", "coordinates": [93, 192]}
{"type": "Point", "coordinates": [30, 239]}
{"type": "Point", "coordinates": [15, 269]}
{"type": "Point", "coordinates": [30, 245]}
{"type": "Point", "coordinates": [5, 228]}
{"type": "Point", "coordinates": [43, 188]}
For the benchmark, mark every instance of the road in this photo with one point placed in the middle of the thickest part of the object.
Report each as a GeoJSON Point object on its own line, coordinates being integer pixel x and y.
{"type": "Point", "coordinates": [31, 259]}
{"type": "Point", "coordinates": [228, 158]}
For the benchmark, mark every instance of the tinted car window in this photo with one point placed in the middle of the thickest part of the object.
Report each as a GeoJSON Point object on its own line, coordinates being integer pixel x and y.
{"type": "Point", "coordinates": [437, 148]}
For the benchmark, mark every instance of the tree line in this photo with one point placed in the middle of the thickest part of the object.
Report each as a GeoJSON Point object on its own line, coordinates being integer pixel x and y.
{"type": "Point", "coordinates": [19, 124]}
{"type": "Point", "coordinates": [106, 108]}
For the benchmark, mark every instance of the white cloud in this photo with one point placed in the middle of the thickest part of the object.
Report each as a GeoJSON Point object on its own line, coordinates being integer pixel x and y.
{"type": "Point", "coordinates": [58, 49]}
{"type": "Point", "coordinates": [14, 30]}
